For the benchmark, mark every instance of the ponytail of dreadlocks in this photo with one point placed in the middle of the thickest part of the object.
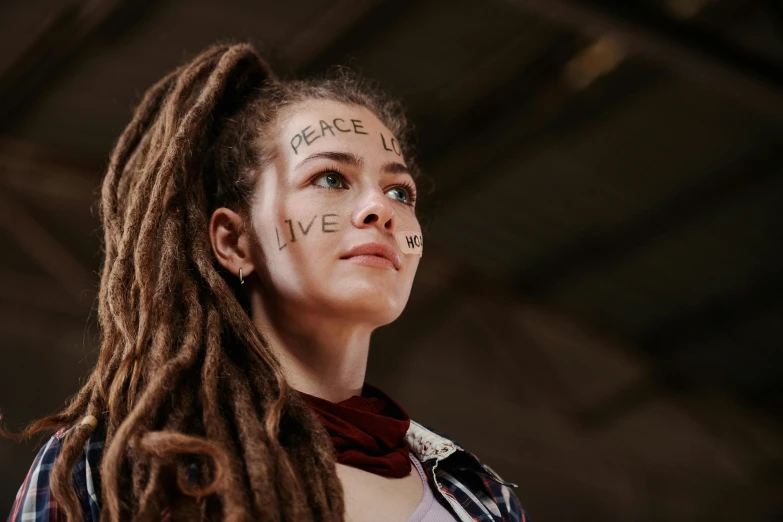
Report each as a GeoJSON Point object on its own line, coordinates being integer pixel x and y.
{"type": "Point", "coordinates": [183, 376]}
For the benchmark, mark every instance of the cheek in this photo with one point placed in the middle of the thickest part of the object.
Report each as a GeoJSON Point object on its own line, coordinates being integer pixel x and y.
{"type": "Point", "coordinates": [300, 246]}
{"type": "Point", "coordinates": [293, 225]}
{"type": "Point", "coordinates": [408, 236]}
{"type": "Point", "coordinates": [408, 221]}
{"type": "Point", "coordinates": [306, 231]}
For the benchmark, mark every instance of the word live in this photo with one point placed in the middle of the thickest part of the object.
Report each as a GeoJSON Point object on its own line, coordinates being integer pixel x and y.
{"type": "Point", "coordinates": [326, 227]}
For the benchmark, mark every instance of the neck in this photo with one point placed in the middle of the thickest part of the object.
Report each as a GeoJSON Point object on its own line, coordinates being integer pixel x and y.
{"type": "Point", "coordinates": [321, 355]}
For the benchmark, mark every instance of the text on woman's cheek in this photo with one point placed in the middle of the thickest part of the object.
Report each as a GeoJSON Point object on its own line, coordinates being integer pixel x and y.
{"type": "Point", "coordinates": [311, 133]}
{"type": "Point", "coordinates": [409, 241]}
{"type": "Point", "coordinates": [328, 225]}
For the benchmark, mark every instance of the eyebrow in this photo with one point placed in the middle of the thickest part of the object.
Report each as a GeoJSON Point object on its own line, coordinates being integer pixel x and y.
{"type": "Point", "coordinates": [391, 167]}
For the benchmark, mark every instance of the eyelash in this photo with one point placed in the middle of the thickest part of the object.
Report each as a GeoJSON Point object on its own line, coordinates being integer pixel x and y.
{"type": "Point", "coordinates": [405, 184]}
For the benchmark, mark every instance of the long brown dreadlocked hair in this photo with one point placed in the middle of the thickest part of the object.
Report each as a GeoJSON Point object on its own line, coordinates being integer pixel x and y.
{"type": "Point", "coordinates": [182, 372]}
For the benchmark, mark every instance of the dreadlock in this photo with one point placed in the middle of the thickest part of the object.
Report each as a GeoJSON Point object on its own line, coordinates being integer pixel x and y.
{"type": "Point", "coordinates": [183, 375]}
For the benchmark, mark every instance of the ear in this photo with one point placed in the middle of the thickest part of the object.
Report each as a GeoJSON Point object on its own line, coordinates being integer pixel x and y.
{"type": "Point", "coordinates": [231, 241]}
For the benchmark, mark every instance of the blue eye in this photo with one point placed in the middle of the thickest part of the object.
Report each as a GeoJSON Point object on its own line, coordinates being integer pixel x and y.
{"type": "Point", "coordinates": [333, 180]}
{"type": "Point", "coordinates": [406, 194]}
{"type": "Point", "coordinates": [401, 192]}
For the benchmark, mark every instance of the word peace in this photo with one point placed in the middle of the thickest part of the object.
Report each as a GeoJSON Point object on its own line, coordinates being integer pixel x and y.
{"type": "Point", "coordinates": [309, 134]}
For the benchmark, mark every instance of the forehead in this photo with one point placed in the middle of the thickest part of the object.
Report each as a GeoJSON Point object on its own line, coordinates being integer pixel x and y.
{"type": "Point", "coordinates": [316, 125]}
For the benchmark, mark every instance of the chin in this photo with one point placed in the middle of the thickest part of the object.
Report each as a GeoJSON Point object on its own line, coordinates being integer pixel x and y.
{"type": "Point", "coordinates": [372, 306]}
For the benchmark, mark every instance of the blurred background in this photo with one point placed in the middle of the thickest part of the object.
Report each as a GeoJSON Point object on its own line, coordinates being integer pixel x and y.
{"type": "Point", "coordinates": [598, 313]}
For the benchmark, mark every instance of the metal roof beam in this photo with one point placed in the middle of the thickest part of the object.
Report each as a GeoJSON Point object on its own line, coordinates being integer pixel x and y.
{"type": "Point", "coordinates": [66, 38]}
{"type": "Point", "coordinates": [46, 250]}
{"type": "Point", "coordinates": [367, 27]}
{"type": "Point", "coordinates": [741, 177]}
{"type": "Point", "coordinates": [692, 53]}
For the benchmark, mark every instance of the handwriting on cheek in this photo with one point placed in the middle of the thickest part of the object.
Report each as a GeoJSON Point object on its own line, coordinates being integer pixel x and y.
{"type": "Point", "coordinates": [311, 133]}
{"type": "Point", "coordinates": [328, 225]}
{"type": "Point", "coordinates": [410, 242]}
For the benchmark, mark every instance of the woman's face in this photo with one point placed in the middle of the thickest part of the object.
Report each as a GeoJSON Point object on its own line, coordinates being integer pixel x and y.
{"type": "Point", "coordinates": [338, 182]}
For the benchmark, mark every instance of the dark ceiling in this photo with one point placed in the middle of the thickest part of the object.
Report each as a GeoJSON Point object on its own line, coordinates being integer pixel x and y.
{"type": "Point", "coordinates": [616, 163]}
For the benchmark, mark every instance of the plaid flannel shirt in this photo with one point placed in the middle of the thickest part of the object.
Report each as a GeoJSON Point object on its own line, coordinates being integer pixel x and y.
{"type": "Point", "coordinates": [473, 490]}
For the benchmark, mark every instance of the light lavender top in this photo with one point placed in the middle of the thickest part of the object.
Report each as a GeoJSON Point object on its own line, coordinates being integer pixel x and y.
{"type": "Point", "coordinates": [430, 509]}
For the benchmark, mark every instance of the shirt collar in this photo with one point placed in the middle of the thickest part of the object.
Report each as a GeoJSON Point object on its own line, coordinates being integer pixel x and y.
{"type": "Point", "coordinates": [426, 444]}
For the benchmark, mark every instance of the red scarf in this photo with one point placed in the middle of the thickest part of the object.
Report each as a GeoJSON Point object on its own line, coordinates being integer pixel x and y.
{"type": "Point", "coordinates": [368, 431]}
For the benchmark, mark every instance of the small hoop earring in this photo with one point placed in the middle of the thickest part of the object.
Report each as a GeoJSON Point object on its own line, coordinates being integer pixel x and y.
{"type": "Point", "coordinates": [241, 280]}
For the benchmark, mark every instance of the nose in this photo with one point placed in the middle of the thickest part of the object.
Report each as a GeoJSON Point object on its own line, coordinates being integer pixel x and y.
{"type": "Point", "coordinates": [376, 210]}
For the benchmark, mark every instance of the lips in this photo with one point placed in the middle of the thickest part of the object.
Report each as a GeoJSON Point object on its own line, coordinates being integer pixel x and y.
{"type": "Point", "coordinates": [375, 249]}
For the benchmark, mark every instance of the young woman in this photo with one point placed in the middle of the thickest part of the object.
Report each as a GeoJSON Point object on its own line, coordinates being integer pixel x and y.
{"type": "Point", "coordinates": [257, 231]}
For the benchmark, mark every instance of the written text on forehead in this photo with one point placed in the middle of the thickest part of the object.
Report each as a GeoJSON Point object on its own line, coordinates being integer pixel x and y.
{"type": "Point", "coordinates": [335, 126]}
